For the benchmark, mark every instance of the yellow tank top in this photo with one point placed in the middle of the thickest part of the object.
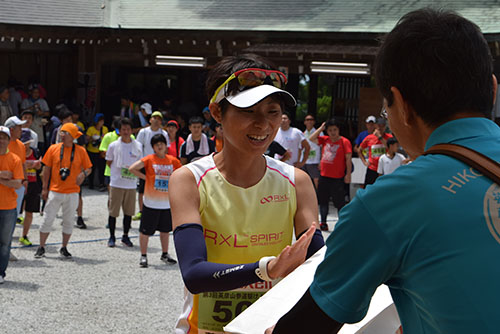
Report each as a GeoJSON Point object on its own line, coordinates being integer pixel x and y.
{"type": "Point", "coordinates": [240, 226]}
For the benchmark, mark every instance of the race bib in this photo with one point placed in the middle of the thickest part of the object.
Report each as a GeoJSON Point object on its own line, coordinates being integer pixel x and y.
{"type": "Point", "coordinates": [126, 174]}
{"type": "Point", "coordinates": [31, 175]}
{"type": "Point", "coordinates": [377, 150]}
{"type": "Point", "coordinates": [161, 183]}
{"type": "Point", "coordinates": [217, 309]}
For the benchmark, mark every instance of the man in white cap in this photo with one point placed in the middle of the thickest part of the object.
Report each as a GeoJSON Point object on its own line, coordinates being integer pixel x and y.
{"type": "Point", "coordinates": [370, 124]}
{"type": "Point", "coordinates": [66, 165]}
{"type": "Point", "coordinates": [141, 120]}
{"type": "Point", "coordinates": [11, 176]}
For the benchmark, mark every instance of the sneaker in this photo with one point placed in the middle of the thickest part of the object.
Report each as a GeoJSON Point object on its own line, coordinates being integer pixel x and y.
{"type": "Point", "coordinates": [323, 226]}
{"type": "Point", "coordinates": [40, 252]}
{"type": "Point", "coordinates": [25, 241]}
{"type": "Point", "coordinates": [64, 253]}
{"type": "Point", "coordinates": [2, 280]}
{"type": "Point", "coordinates": [102, 188]}
{"type": "Point", "coordinates": [143, 262]}
{"type": "Point", "coordinates": [20, 220]}
{"type": "Point", "coordinates": [126, 241]}
{"type": "Point", "coordinates": [167, 258]}
{"type": "Point", "coordinates": [12, 257]}
{"type": "Point", "coordinates": [111, 242]}
{"type": "Point", "coordinates": [80, 224]}
{"type": "Point", "coordinates": [137, 216]}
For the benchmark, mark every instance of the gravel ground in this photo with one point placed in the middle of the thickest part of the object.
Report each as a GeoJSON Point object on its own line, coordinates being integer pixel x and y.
{"type": "Point", "coordinates": [99, 290]}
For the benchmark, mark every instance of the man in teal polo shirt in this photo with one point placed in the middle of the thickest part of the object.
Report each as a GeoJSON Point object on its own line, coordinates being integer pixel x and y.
{"type": "Point", "coordinates": [430, 230]}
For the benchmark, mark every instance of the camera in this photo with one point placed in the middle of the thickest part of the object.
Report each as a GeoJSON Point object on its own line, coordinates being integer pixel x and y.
{"type": "Point", "coordinates": [64, 173]}
{"type": "Point", "coordinates": [96, 143]}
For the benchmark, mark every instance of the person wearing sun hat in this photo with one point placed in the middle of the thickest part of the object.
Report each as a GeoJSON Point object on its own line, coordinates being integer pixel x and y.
{"type": "Point", "coordinates": [11, 176]}
{"type": "Point", "coordinates": [222, 202]}
{"type": "Point", "coordinates": [66, 165]}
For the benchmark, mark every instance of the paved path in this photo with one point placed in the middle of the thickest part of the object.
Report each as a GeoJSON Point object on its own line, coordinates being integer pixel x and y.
{"type": "Point", "coordinates": [100, 290]}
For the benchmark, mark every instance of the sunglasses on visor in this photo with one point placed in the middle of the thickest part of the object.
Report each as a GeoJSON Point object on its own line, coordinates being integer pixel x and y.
{"type": "Point", "coordinates": [251, 77]}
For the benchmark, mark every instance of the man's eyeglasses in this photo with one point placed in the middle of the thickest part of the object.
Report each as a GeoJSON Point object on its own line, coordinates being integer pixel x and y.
{"type": "Point", "coordinates": [251, 77]}
{"type": "Point", "coordinates": [383, 113]}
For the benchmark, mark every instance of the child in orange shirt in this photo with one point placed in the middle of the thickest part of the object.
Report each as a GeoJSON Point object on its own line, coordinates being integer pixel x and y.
{"type": "Point", "coordinates": [156, 208]}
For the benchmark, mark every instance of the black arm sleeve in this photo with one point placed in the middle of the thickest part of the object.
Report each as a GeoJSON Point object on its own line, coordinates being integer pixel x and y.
{"type": "Point", "coordinates": [306, 317]}
{"type": "Point", "coordinates": [198, 274]}
{"type": "Point", "coordinates": [317, 242]}
{"type": "Point", "coordinates": [278, 148]}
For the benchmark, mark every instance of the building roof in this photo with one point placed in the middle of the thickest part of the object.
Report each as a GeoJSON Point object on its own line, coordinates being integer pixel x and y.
{"type": "Point", "coordinates": [356, 16]}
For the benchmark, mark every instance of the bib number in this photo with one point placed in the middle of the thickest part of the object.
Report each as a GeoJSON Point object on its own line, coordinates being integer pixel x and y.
{"type": "Point", "coordinates": [217, 309]}
{"type": "Point", "coordinates": [126, 174]}
{"type": "Point", "coordinates": [161, 183]}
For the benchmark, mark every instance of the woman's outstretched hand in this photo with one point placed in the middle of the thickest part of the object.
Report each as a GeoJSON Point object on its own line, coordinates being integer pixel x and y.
{"type": "Point", "coordinates": [291, 256]}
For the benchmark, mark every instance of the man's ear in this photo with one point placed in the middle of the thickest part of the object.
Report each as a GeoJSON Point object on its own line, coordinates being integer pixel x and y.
{"type": "Point", "coordinates": [407, 113]}
{"type": "Point", "coordinates": [216, 111]}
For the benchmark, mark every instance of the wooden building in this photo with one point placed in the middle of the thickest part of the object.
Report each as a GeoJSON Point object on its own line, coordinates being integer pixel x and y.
{"type": "Point", "coordinates": [93, 51]}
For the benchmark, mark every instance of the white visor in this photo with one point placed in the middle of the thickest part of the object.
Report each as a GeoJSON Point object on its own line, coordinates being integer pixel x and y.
{"type": "Point", "coordinates": [252, 96]}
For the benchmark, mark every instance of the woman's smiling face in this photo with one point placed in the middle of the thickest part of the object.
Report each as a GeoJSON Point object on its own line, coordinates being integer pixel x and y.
{"type": "Point", "coordinates": [252, 129]}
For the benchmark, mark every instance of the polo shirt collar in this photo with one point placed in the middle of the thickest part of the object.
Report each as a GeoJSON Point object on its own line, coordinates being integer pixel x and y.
{"type": "Point", "coordinates": [462, 128]}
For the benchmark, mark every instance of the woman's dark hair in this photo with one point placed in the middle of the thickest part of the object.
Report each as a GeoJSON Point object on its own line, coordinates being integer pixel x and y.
{"type": "Point", "coordinates": [441, 64]}
{"type": "Point", "coordinates": [227, 66]}
{"type": "Point", "coordinates": [177, 142]}
{"type": "Point", "coordinates": [116, 123]}
{"type": "Point", "coordinates": [158, 138]}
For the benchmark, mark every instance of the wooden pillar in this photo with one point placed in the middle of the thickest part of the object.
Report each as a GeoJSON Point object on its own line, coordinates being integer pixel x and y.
{"type": "Point", "coordinates": [313, 94]}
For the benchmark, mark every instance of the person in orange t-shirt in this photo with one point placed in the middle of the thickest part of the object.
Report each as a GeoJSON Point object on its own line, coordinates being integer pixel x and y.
{"type": "Point", "coordinates": [218, 138]}
{"type": "Point", "coordinates": [156, 207]}
{"type": "Point", "coordinates": [67, 165]}
{"type": "Point", "coordinates": [11, 176]}
{"type": "Point", "coordinates": [17, 147]}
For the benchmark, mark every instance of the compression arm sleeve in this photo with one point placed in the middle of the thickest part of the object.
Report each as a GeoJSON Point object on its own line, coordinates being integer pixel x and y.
{"type": "Point", "coordinates": [306, 317]}
{"type": "Point", "coordinates": [198, 274]}
{"type": "Point", "coordinates": [317, 242]}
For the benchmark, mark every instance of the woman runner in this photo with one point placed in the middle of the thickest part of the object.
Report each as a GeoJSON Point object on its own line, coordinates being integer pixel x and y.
{"type": "Point", "coordinates": [234, 212]}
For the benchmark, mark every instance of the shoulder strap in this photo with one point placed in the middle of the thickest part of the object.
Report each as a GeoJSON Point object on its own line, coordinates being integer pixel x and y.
{"type": "Point", "coordinates": [480, 162]}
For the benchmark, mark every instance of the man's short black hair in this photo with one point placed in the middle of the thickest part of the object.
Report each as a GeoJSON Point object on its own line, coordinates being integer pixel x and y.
{"type": "Point", "coordinates": [125, 121]}
{"type": "Point", "coordinates": [64, 113]}
{"type": "Point", "coordinates": [441, 64]}
{"type": "Point", "coordinates": [158, 138]}
{"type": "Point", "coordinates": [331, 122]}
{"type": "Point", "coordinates": [196, 120]}
{"type": "Point", "coordinates": [391, 141]}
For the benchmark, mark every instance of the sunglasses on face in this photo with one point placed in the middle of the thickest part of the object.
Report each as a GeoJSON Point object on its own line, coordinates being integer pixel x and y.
{"type": "Point", "coordinates": [250, 77]}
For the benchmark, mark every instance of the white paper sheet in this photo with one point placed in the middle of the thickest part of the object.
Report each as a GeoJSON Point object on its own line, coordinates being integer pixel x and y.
{"type": "Point", "coordinates": [266, 311]}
